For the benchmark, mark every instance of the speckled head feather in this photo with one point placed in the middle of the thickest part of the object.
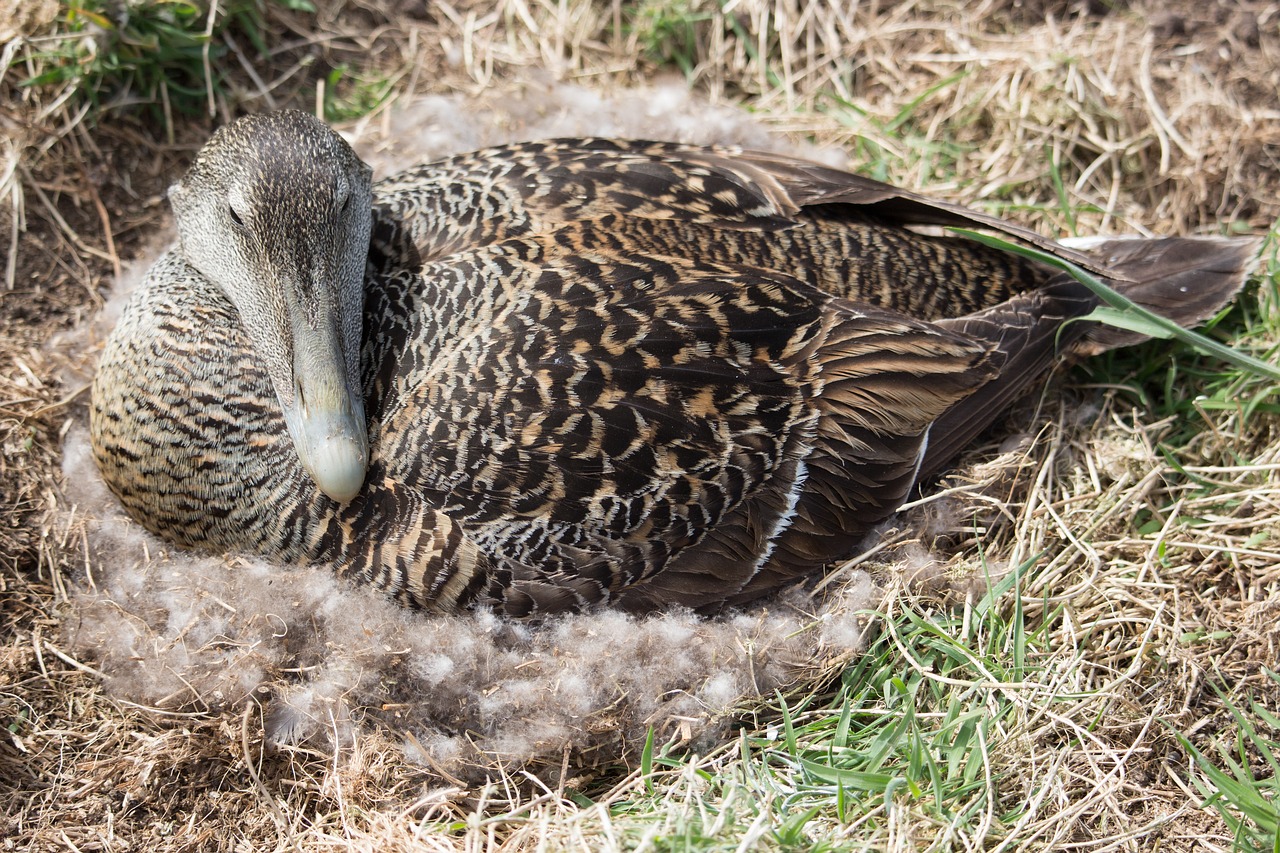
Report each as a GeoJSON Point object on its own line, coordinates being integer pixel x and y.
{"type": "Point", "coordinates": [595, 371]}
{"type": "Point", "coordinates": [275, 213]}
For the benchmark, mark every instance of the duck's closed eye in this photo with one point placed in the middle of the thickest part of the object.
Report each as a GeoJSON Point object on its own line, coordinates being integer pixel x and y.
{"type": "Point", "coordinates": [235, 219]}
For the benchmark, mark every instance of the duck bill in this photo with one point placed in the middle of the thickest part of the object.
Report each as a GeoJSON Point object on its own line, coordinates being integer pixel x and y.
{"type": "Point", "coordinates": [326, 420]}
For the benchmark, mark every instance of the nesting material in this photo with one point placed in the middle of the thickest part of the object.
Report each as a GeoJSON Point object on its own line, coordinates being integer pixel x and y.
{"type": "Point", "coordinates": [465, 693]}
{"type": "Point", "coordinates": [175, 630]}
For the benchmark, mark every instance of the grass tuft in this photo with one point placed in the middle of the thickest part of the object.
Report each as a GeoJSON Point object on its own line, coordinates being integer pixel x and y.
{"type": "Point", "coordinates": [669, 32]}
{"type": "Point", "coordinates": [1247, 798]}
{"type": "Point", "coordinates": [166, 57]}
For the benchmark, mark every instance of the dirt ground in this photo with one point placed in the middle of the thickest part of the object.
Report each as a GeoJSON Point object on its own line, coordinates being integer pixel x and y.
{"type": "Point", "coordinates": [80, 769]}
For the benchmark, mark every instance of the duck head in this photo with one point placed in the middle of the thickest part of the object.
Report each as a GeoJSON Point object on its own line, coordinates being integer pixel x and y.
{"type": "Point", "coordinates": [276, 212]}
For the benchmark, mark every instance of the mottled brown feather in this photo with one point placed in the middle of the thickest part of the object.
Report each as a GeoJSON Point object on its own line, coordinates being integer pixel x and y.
{"type": "Point", "coordinates": [607, 371]}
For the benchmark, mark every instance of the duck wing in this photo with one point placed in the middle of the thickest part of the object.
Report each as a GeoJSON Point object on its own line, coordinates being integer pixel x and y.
{"type": "Point", "coordinates": [590, 414]}
{"type": "Point", "coordinates": [479, 198]}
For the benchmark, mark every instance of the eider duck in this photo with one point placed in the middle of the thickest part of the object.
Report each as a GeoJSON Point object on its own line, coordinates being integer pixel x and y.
{"type": "Point", "coordinates": [548, 376]}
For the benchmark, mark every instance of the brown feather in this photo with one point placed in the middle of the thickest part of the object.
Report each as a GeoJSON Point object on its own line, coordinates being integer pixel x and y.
{"type": "Point", "coordinates": [606, 371]}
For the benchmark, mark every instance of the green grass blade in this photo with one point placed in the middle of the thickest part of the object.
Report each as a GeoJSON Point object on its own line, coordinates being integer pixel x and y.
{"type": "Point", "coordinates": [788, 727]}
{"type": "Point", "coordinates": [646, 760]}
{"type": "Point", "coordinates": [858, 780]}
{"type": "Point", "coordinates": [904, 114]}
{"type": "Point", "coordinates": [1060, 189]}
{"type": "Point", "coordinates": [1127, 321]}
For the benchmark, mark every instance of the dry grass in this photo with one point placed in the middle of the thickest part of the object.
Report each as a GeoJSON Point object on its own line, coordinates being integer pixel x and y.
{"type": "Point", "coordinates": [1156, 591]}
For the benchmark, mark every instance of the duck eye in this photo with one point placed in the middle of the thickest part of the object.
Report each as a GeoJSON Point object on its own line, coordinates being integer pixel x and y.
{"type": "Point", "coordinates": [235, 218]}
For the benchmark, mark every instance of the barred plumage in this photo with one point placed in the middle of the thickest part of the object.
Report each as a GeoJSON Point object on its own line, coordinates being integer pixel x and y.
{"type": "Point", "coordinates": [585, 371]}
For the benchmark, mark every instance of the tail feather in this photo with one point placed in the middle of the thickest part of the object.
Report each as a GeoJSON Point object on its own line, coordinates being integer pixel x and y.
{"type": "Point", "coordinates": [1186, 280]}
